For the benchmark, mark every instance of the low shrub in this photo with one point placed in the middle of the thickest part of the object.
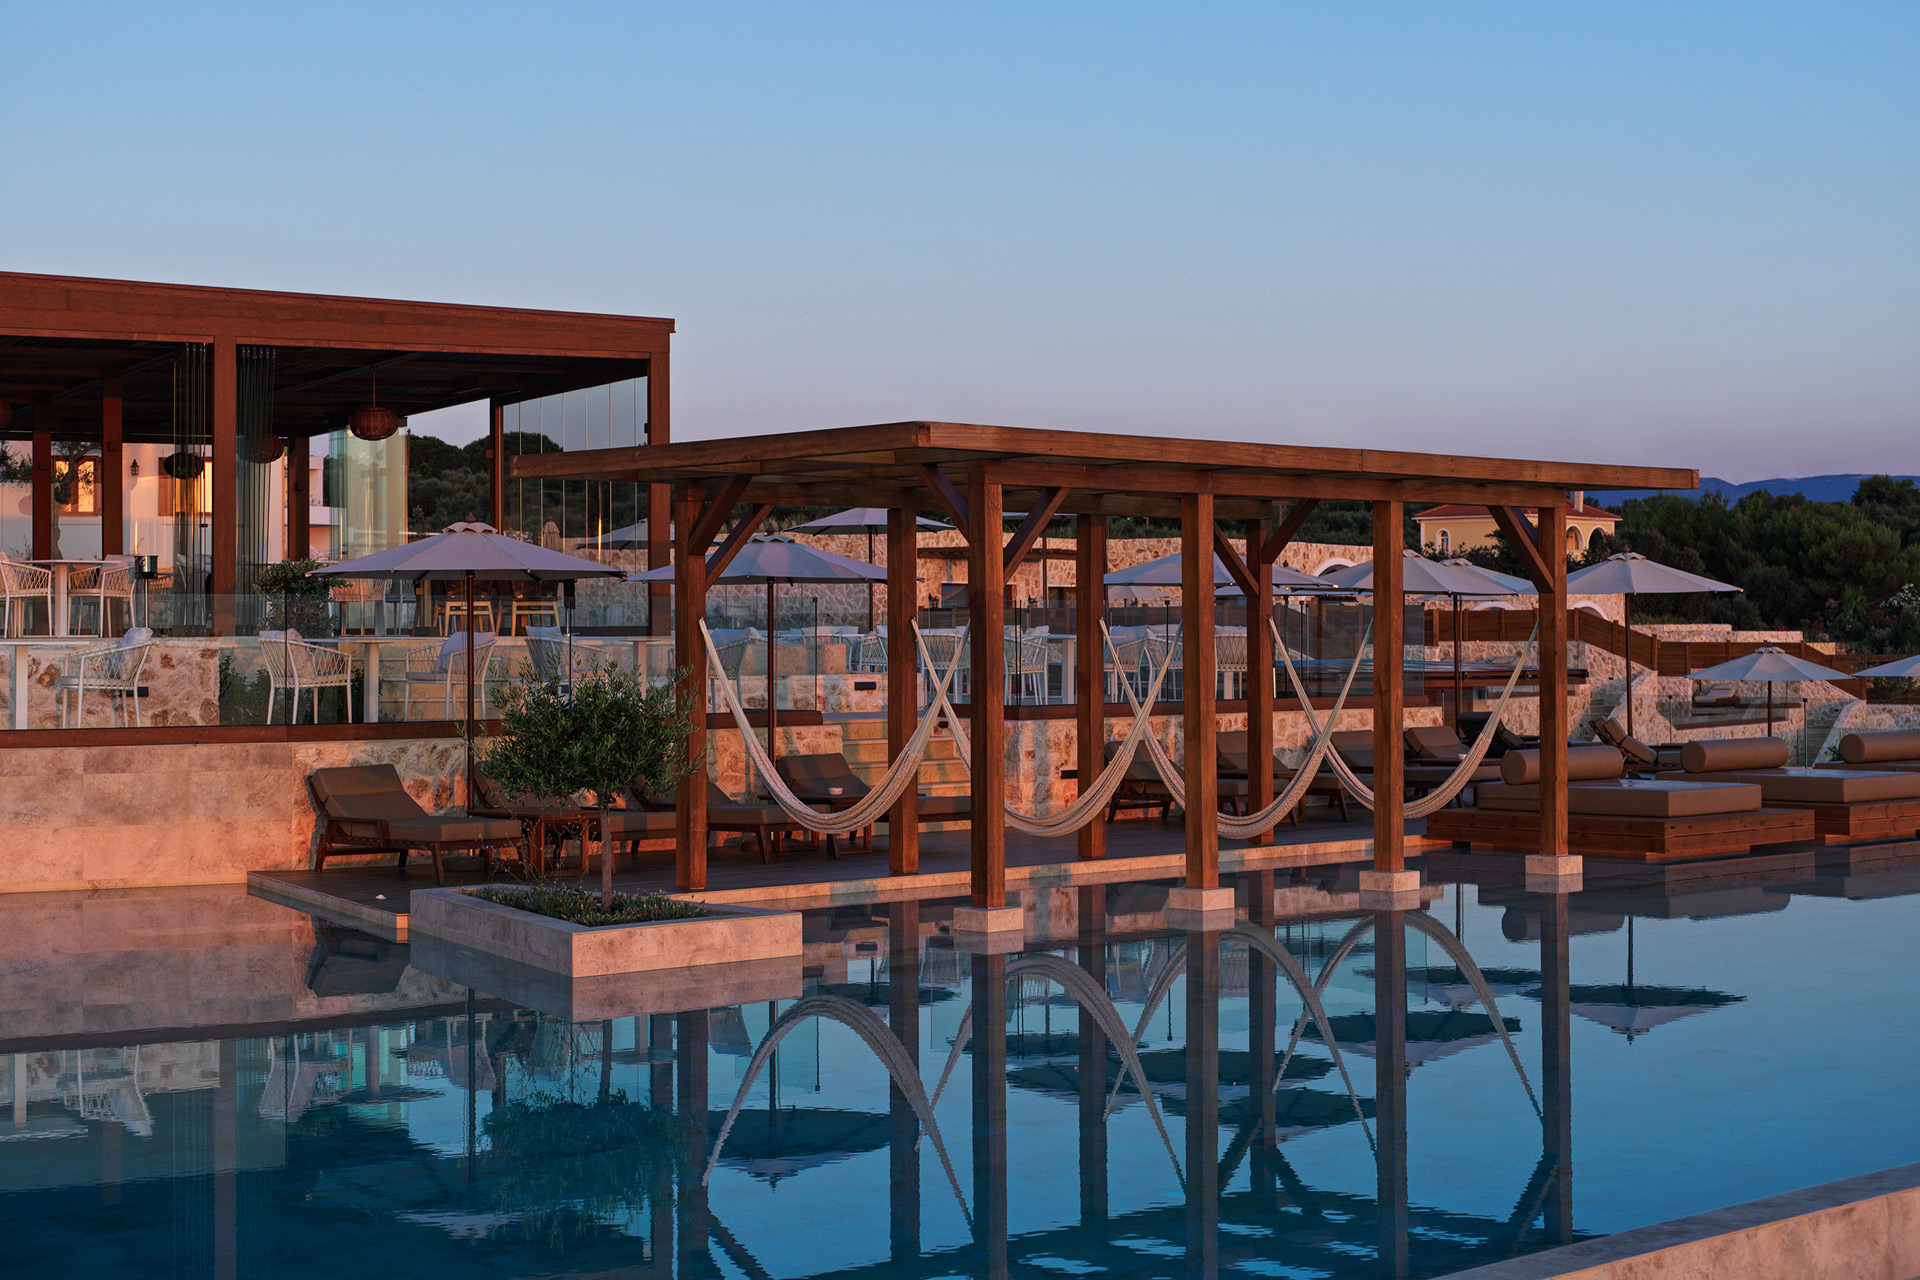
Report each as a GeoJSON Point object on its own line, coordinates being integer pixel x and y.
{"type": "Point", "coordinates": [578, 906]}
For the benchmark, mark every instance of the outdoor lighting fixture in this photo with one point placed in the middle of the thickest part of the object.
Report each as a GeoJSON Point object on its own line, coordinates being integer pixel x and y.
{"type": "Point", "coordinates": [183, 466]}
{"type": "Point", "coordinates": [371, 422]}
{"type": "Point", "coordinates": [264, 449]}
{"type": "Point", "coordinates": [134, 470]}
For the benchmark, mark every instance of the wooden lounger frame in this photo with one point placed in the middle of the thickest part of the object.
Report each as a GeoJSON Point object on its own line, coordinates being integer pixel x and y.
{"type": "Point", "coordinates": [336, 843]}
{"type": "Point", "coordinates": [1865, 820]}
{"type": "Point", "coordinates": [1629, 839]}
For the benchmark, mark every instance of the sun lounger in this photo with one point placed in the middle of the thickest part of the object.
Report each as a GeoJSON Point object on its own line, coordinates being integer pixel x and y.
{"type": "Point", "coordinates": [1640, 756]}
{"type": "Point", "coordinates": [817, 777]}
{"type": "Point", "coordinates": [1846, 804]}
{"type": "Point", "coordinates": [1437, 752]}
{"type": "Point", "coordinates": [1896, 750]}
{"type": "Point", "coordinates": [724, 813]}
{"type": "Point", "coordinates": [1232, 748]}
{"type": "Point", "coordinates": [633, 830]}
{"type": "Point", "coordinates": [1142, 788]}
{"type": "Point", "coordinates": [1418, 776]}
{"type": "Point", "coordinates": [1611, 816]}
{"type": "Point", "coordinates": [366, 810]}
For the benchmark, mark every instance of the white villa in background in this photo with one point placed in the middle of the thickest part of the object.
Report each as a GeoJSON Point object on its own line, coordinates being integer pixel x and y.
{"type": "Point", "coordinates": [1452, 527]}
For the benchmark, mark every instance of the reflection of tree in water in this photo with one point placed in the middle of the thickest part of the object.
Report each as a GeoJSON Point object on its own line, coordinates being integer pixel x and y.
{"type": "Point", "coordinates": [566, 1171]}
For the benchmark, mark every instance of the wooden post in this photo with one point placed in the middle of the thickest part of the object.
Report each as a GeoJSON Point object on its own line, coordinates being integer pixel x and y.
{"type": "Point", "coordinates": [986, 609]}
{"type": "Point", "coordinates": [690, 654]}
{"type": "Point", "coordinates": [299, 497]}
{"type": "Point", "coordinates": [1552, 523]}
{"type": "Point", "coordinates": [1389, 690]}
{"type": "Point", "coordinates": [1259, 676]}
{"type": "Point", "coordinates": [43, 425]}
{"type": "Point", "coordinates": [497, 465]}
{"type": "Point", "coordinates": [1390, 1072]}
{"type": "Point", "coordinates": [903, 688]}
{"type": "Point", "coordinates": [1090, 669]}
{"type": "Point", "coordinates": [1197, 678]}
{"type": "Point", "coordinates": [113, 525]}
{"type": "Point", "coordinates": [659, 503]}
{"type": "Point", "coordinates": [903, 1019]}
{"type": "Point", "coordinates": [1202, 1110]}
{"type": "Point", "coordinates": [225, 504]}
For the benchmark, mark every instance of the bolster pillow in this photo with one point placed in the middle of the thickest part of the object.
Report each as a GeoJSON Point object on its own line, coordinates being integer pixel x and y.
{"type": "Point", "coordinates": [1584, 764]}
{"type": "Point", "coordinates": [1870, 748]}
{"type": "Point", "coordinates": [1726, 755]}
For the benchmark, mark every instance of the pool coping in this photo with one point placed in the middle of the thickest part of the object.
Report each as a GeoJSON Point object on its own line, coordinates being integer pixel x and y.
{"type": "Point", "coordinates": [1862, 1228]}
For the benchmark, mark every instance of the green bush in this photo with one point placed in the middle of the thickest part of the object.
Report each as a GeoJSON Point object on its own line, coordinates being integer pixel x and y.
{"type": "Point", "coordinates": [577, 906]}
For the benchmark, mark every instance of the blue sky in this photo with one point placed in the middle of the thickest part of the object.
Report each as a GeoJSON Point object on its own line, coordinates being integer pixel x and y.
{"type": "Point", "coordinates": [1676, 234]}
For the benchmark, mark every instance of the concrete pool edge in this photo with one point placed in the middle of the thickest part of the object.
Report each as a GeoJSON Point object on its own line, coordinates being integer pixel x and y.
{"type": "Point", "coordinates": [1861, 1228]}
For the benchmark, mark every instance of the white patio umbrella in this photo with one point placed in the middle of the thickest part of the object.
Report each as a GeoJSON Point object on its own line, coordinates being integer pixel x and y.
{"type": "Point", "coordinates": [1504, 583]}
{"type": "Point", "coordinates": [1628, 573]}
{"type": "Point", "coordinates": [768, 559]}
{"type": "Point", "coordinates": [867, 520]}
{"type": "Point", "coordinates": [1771, 664]}
{"type": "Point", "coordinates": [468, 551]}
{"type": "Point", "coordinates": [1420, 576]}
{"type": "Point", "coordinates": [1904, 668]}
{"type": "Point", "coordinates": [1165, 572]}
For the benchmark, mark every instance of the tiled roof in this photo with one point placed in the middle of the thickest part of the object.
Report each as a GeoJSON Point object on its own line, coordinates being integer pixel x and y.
{"type": "Point", "coordinates": [1448, 510]}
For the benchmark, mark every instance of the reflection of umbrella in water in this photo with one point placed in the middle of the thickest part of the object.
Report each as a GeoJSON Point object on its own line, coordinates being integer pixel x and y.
{"type": "Point", "coordinates": [1633, 1010]}
{"type": "Point", "coordinates": [1431, 1034]}
{"type": "Point", "coordinates": [1446, 985]}
{"type": "Point", "coordinates": [780, 1143]}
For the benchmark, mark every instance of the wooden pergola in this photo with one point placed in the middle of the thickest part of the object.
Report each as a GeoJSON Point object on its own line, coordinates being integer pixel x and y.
{"type": "Point", "coordinates": [92, 360]}
{"type": "Point", "coordinates": [971, 473]}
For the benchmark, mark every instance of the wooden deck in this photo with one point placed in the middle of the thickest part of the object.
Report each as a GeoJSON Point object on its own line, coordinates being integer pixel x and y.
{"type": "Point", "coordinates": [1633, 839]}
{"type": "Point", "coordinates": [374, 897]}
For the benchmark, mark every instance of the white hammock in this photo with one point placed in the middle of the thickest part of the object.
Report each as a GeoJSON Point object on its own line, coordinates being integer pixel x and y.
{"type": "Point", "coordinates": [1457, 781]}
{"type": "Point", "coordinates": [904, 772]}
{"type": "Point", "coordinates": [1092, 801]}
{"type": "Point", "coordinates": [1254, 824]}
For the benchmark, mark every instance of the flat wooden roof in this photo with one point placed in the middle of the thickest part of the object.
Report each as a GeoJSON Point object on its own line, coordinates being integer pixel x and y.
{"type": "Point", "coordinates": [885, 465]}
{"type": "Point", "coordinates": [62, 336]}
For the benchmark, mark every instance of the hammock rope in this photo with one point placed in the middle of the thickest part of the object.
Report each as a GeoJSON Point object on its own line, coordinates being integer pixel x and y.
{"type": "Point", "coordinates": [1092, 801]}
{"type": "Point", "coordinates": [1266, 819]}
{"type": "Point", "coordinates": [1462, 775]}
{"type": "Point", "coordinates": [902, 773]}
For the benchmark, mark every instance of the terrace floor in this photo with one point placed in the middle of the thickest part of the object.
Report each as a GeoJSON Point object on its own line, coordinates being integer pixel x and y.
{"type": "Point", "coordinates": [374, 896]}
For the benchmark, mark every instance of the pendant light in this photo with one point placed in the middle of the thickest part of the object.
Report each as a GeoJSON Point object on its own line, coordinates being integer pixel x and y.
{"type": "Point", "coordinates": [372, 423]}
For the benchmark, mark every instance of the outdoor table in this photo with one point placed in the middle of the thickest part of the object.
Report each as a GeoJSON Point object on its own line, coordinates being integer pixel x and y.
{"type": "Point", "coordinates": [61, 622]}
{"type": "Point", "coordinates": [369, 671]}
{"type": "Point", "coordinates": [540, 815]}
{"type": "Point", "coordinates": [834, 804]}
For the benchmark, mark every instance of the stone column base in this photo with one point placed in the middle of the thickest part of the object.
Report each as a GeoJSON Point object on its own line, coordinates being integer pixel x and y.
{"type": "Point", "coordinates": [1183, 898]}
{"type": "Point", "coordinates": [1542, 864]}
{"type": "Point", "coordinates": [1389, 890]}
{"type": "Point", "coordinates": [989, 920]}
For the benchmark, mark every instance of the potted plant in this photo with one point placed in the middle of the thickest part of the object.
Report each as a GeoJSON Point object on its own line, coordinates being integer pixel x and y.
{"type": "Point", "coordinates": [604, 732]}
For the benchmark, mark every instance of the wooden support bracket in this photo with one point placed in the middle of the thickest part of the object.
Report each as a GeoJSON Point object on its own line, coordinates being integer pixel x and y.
{"type": "Point", "coordinates": [949, 498]}
{"type": "Point", "coordinates": [1289, 530]}
{"type": "Point", "coordinates": [1236, 567]}
{"type": "Point", "coordinates": [737, 540]}
{"type": "Point", "coordinates": [1524, 539]}
{"type": "Point", "coordinates": [1031, 528]}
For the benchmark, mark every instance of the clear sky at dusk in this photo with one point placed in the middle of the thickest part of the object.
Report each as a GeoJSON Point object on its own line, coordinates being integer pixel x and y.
{"type": "Point", "coordinates": [1675, 234]}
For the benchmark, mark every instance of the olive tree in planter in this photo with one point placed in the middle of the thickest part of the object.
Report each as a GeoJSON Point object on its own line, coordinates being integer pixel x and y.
{"type": "Point", "coordinates": [605, 731]}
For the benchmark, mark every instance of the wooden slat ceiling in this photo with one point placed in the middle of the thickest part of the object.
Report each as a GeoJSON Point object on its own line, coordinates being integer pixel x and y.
{"type": "Point", "coordinates": [1110, 474]}
{"type": "Point", "coordinates": [315, 388]}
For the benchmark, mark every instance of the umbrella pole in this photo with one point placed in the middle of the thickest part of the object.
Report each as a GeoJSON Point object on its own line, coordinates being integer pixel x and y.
{"type": "Point", "coordinates": [1769, 708]}
{"type": "Point", "coordinates": [1626, 611]}
{"type": "Point", "coordinates": [869, 584]}
{"type": "Point", "coordinates": [772, 682]}
{"type": "Point", "coordinates": [1459, 690]}
{"type": "Point", "coordinates": [469, 667]}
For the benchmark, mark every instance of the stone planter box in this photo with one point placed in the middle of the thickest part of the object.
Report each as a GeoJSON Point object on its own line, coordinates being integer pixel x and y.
{"type": "Point", "coordinates": [729, 935]}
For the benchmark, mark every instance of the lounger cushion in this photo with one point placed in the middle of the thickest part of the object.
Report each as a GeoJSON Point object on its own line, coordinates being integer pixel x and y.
{"type": "Point", "coordinates": [1872, 748]}
{"type": "Point", "coordinates": [1434, 775]}
{"type": "Point", "coordinates": [1584, 764]}
{"type": "Point", "coordinates": [819, 772]}
{"type": "Point", "coordinates": [943, 807]}
{"type": "Point", "coordinates": [1725, 754]}
{"type": "Point", "coordinates": [1630, 798]}
{"type": "Point", "coordinates": [1356, 748]}
{"type": "Point", "coordinates": [456, 829]}
{"type": "Point", "coordinates": [368, 792]}
{"type": "Point", "coordinates": [1436, 742]}
{"type": "Point", "coordinates": [1821, 786]}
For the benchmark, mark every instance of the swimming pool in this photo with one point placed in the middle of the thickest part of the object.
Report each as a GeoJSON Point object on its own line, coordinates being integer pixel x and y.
{"type": "Point", "coordinates": [1498, 1073]}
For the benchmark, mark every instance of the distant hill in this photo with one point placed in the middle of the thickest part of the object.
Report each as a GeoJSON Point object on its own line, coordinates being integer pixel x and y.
{"type": "Point", "coordinates": [1835, 488]}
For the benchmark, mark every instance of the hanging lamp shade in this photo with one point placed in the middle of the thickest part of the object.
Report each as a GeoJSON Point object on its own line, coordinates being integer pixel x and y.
{"type": "Point", "coordinates": [372, 423]}
{"type": "Point", "coordinates": [183, 466]}
{"type": "Point", "coordinates": [263, 449]}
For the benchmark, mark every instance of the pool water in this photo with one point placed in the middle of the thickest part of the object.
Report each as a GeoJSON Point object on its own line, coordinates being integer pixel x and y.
{"type": "Point", "coordinates": [1121, 1098]}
